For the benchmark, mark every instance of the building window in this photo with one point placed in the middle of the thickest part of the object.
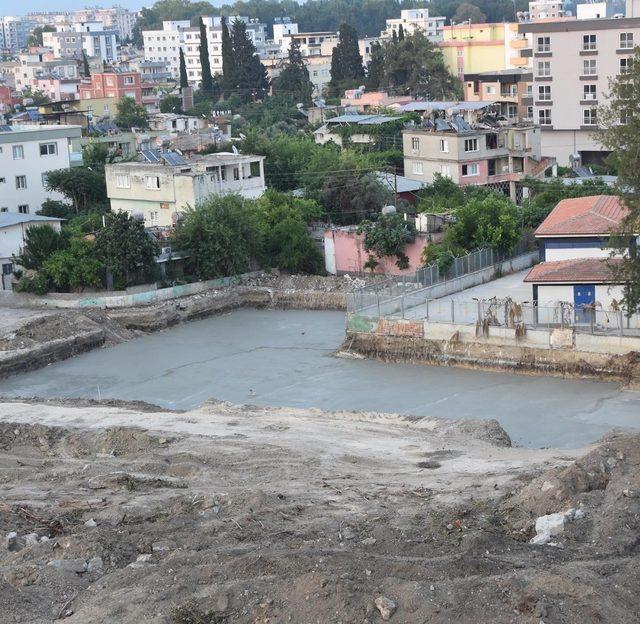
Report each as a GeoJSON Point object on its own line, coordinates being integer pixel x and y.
{"type": "Point", "coordinates": [18, 152]}
{"type": "Point", "coordinates": [236, 173]}
{"type": "Point", "coordinates": [470, 169]}
{"type": "Point", "coordinates": [23, 208]}
{"type": "Point", "coordinates": [588, 42]}
{"type": "Point", "coordinates": [444, 145]}
{"type": "Point", "coordinates": [625, 65]}
{"type": "Point", "coordinates": [254, 169]}
{"type": "Point", "coordinates": [626, 41]}
{"type": "Point", "coordinates": [544, 44]}
{"type": "Point", "coordinates": [417, 168]}
{"type": "Point", "coordinates": [544, 116]}
{"type": "Point", "coordinates": [152, 183]}
{"type": "Point", "coordinates": [4, 209]}
{"type": "Point", "coordinates": [415, 143]}
{"type": "Point", "coordinates": [153, 215]}
{"type": "Point", "coordinates": [471, 145]}
{"type": "Point", "coordinates": [489, 89]}
{"type": "Point", "coordinates": [589, 67]}
{"type": "Point", "coordinates": [21, 182]}
{"type": "Point", "coordinates": [544, 93]}
{"type": "Point", "coordinates": [589, 92]}
{"type": "Point", "coordinates": [445, 171]}
{"type": "Point", "coordinates": [48, 149]}
{"type": "Point", "coordinates": [589, 117]}
{"type": "Point", "coordinates": [122, 181]}
{"type": "Point", "coordinates": [544, 68]}
{"type": "Point", "coordinates": [128, 80]}
{"type": "Point", "coordinates": [45, 180]}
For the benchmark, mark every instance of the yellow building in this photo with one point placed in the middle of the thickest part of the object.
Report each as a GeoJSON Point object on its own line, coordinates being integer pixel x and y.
{"type": "Point", "coordinates": [474, 48]}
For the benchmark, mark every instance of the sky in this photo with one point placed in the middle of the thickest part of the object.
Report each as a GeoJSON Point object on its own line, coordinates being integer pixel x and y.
{"type": "Point", "coordinates": [20, 7]}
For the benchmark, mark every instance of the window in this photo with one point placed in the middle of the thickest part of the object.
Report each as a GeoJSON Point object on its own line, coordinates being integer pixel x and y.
{"type": "Point", "coordinates": [152, 183]}
{"type": "Point", "coordinates": [48, 149]}
{"type": "Point", "coordinates": [45, 180]}
{"type": "Point", "coordinates": [21, 182]}
{"type": "Point", "coordinates": [471, 145]}
{"type": "Point", "coordinates": [489, 89]}
{"type": "Point", "coordinates": [544, 116]}
{"type": "Point", "coordinates": [18, 152]}
{"type": "Point", "coordinates": [589, 92]}
{"type": "Point", "coordinates": [589, 117]}
{"type": "Point", "coordinates": [128, 80]}
{"type": "Point", "coordinates": [236, 173]}
{"type": "Point", "coordinates": [544, 68]}
{"type": "Point", "coordinates": [470, 170]}
{"type": "Point", "coordinates": [588, 42]}
{"type": "Point", "coordinates": [415, 143]}
{"type": "Point", "coordinates": [3, 180]}
{"type": "Point", "coordinates": [589, 67]}
{"type": "Point", "coordinates": [122, 181]}
{"type": "Point", "coordinates": [625, 65]}
{"type": "Point", "coordinates": [23, 208]}
{"type": "Point", "coordinates": [417, 168]}
{"type": "Point", "coordinates": [153, 215]}
{"type": "Point", "coordinates": [254, 169]}
{"type": "Point", "coordinates": [626, 41]}
{"type": "Point", "coordinates": [444, 145]}
{"type": "Point", "coordinates": [544, 93]}
{"type": "Point", "coordinates": [445, 171]}
{"type": "Point", "coordinates": [4, 209]}
{"type": "Point", "coordinates": [544, 44]}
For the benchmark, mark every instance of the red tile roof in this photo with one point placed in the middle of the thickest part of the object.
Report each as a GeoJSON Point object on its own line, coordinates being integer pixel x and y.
{"type": "Point", "coordinates": [580, 216]}
{"type": "Point", "coordinates": [575, 271]}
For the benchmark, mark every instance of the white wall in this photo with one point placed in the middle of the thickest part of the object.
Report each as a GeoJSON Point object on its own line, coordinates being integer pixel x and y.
{"type": "Point", "coordinates": [12, 237]}
{"type": "Point", "coordinates": [550, 294]}
{"type": "Point", "coordinates": [551, 255]}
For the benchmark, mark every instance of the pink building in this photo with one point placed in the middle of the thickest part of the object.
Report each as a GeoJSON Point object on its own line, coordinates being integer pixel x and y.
{"type": "Point", "coordinates": [58, 89]}
{"type": "Point", "coordinates": [344, 253]}
{"type": "Point", "coordinates": [111, 84]}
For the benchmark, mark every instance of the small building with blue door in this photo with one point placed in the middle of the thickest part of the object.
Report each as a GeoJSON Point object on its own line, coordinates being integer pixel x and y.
{"type": "Point", "coordinates": [577, 258]}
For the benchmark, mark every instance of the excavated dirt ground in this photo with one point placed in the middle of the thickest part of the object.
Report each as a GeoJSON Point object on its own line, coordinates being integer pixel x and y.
{"type": "Point", "coordinates": [127, 513]}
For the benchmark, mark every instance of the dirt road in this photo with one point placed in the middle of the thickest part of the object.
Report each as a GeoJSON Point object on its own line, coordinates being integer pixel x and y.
{"type": "Point", "coordinates": [244, 514]}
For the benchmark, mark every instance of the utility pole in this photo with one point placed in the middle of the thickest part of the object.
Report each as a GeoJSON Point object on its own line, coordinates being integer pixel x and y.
{"type": "Point", "coordinates": [395, 186]}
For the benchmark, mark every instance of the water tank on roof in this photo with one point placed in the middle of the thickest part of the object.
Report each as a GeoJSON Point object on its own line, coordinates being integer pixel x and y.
{"type": "Point", "coordinates": [388, 209]}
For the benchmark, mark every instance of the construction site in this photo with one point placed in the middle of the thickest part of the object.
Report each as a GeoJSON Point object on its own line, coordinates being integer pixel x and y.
{"type": "Point", "coordinates": [254, 467]}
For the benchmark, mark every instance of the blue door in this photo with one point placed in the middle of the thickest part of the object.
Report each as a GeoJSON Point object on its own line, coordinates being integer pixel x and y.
{"type": "Point", "coordinates": [583, 295]}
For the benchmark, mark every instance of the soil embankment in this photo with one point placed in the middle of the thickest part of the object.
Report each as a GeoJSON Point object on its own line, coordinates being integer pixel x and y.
{"type": "Point", "coordinates": [241, 514]}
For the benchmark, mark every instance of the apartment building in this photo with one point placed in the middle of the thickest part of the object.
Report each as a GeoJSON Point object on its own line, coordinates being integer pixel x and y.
{"type": "Point", "coordinates": [473, 48]}
{"type": "Point", "coordinates": [508, 89]}
{"type": "Point", "coordinates": [27, 153]}
{"type": "Point", "coordinates": [40, 64]}
{"type": "Point", "coordinates": [112, 85]}
{"type": "Point", "coordinates": [165, 184]}
{"type": "Point", "coordinates": [573, 62]}
{"type": "Point", "coordinates": [415, 19]}
{"type": "Point", "coordinates": [546, 9]}
{"type": "Point", "coordinates": [281, 28]}
{"type": "Point", "coordinates": [464, 142]}
{"type": "Point", "coordinates": [317, 43]}
{"type": "Point", "coordinates": [115, 18]}
{"type": "Point", "coordinates": [91, 37]}
{"type": "Point", "coordinates": [14, 33]}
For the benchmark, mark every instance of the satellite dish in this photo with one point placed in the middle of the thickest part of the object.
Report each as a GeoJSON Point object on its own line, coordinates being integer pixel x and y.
{"type": "Point", "coordinates": [234, 149]}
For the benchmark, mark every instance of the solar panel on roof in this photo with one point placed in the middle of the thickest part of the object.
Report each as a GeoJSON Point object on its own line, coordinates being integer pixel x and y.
{"type": "Point", "coordinates": [442, 125]}
{"type": "Point", "coordinates": [5, 128]}
{"type": "Point", "coordinates": [150, 156]}
{"type": "Point", "coordinates": [174, 159]}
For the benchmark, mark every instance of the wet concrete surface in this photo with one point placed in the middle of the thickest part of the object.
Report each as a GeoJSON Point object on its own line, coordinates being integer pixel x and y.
{"type": "Point", "coordinates": [284, 358]}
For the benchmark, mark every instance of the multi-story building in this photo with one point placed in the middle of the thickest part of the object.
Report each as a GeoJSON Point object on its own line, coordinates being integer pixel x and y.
{"type": "Point", "coordinates": [39, 64]}
{"type": "Point", "coordinates": [115, 18]}
{"type": "Point", "coordinates": [27, 153]}
{"type": "Point", "coordinates": [462, 142]}
{"type": "Point", "coordinates": [545, 9]}
{"type": "Point", "coordinates": [415, 19]}
{"type": "Point", "coordinates": [112, 85]}
{"type": "Point", "coordinates": [573, 63]}
{"type": "Point", "coordinates": [472, 48]}
{"type": "Point", "coordinates": [282, 27]}
{"type": "Point", "coordinates": [508, 89]}
{"type": "Point", "coordinates": [15, 32]}
{"type": "Point", "coordinates": [165, 184]}
{"type": "Point", "coordinates": [91, 37]}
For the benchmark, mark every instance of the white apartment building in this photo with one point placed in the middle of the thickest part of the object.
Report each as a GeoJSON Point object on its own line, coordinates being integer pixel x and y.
{"type": "Point", "coordinates": [546, 9]}
{"type": "Point", "coordinates": [27, 153]}
{"type": "Point", "coordinates": [33, 66]}
{"type": "Point", "coordinates": [115, 18]}
{"type": "Point", "coordinates": [281, 28]}
{"type": "Point", "coordinates": [164, 45]}
{"type": "Point", "coordinates": [415, 19]}
{"type": "Point", "coordinates": [160, 191]}
{"type": "Point", "coordinates": [573, 62]}
{"type": "Point", "coordinates": [92, 37]}
{"type": "Point", "coordinates": [15, 32]}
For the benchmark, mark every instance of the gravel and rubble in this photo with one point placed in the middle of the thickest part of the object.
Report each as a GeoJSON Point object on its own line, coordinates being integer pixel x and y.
{"type": "Point", "coordinates": [129, 513]}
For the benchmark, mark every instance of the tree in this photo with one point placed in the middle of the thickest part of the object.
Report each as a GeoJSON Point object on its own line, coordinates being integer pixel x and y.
{"type": "Point", "coordinates": [84, 187]}
{"type": "Point", "coordinates": [86, 70]}
{"type": "Point", "coordinates": [39, 243]}
{"type": "Point", "coordinates": [37, 97]}
{"type": "Point", "coordinates": [184, 82]}
{"type": "Point", "coordinates": [126, 249]}
{"type": "Point", "coordinates": [56, 208]}
{"type": "Point", "coordinates": [250, 80]}
{"type": "Point", "coordinates": [221, 237]}
{"type": "Point", "coordinates": [375, 67]}
{"type": "Point", "coordinates": [171, 104]}
{"type": "Point", "coordinates": [35, 38]}
{"type": "Point", "coordinates": [294, 79]}
{"type": "Point", "coordinates": [620, 121]}
{"type": "Point", "coordinates": [207, 78]}
{"type": "Point", "coordinates": [287, 242]}
{"type": "Point", "coordinates": [131, 115]}
{"type": "Point", "coordinates": [346, 62]}
{"type": "Point", "coordinates": [73, 268]}
{"type": "Point", "coordinates": [388, 235]}
{"type": "Point", "coordinates": [401, 33]}
{"type": "Point", "coordinates": [469, 12]}
{"type": "Point", "coordinates": [228, 79]}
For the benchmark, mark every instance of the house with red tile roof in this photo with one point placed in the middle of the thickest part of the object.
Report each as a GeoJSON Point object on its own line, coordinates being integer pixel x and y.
{"type": "Point", "coordinates": [578, 259]}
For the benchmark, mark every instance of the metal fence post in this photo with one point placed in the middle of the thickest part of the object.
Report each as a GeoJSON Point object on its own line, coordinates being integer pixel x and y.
{"type": "Point", "coordinates": [592, 319]}
{"type": "Point", "coordinates": [378, 302]}
{"type": "Point", "coordinates": [479, 312]}
{"type": "Point", "coordinates": [621, 322]}
{"type": "Point", "coordinates": [453, 312]}
{"type": "Point", "coordinates": [426, 305]}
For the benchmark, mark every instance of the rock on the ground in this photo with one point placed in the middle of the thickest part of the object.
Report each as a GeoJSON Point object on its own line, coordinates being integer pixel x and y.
{"type": "Point", "coordinates": [386, 606]}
